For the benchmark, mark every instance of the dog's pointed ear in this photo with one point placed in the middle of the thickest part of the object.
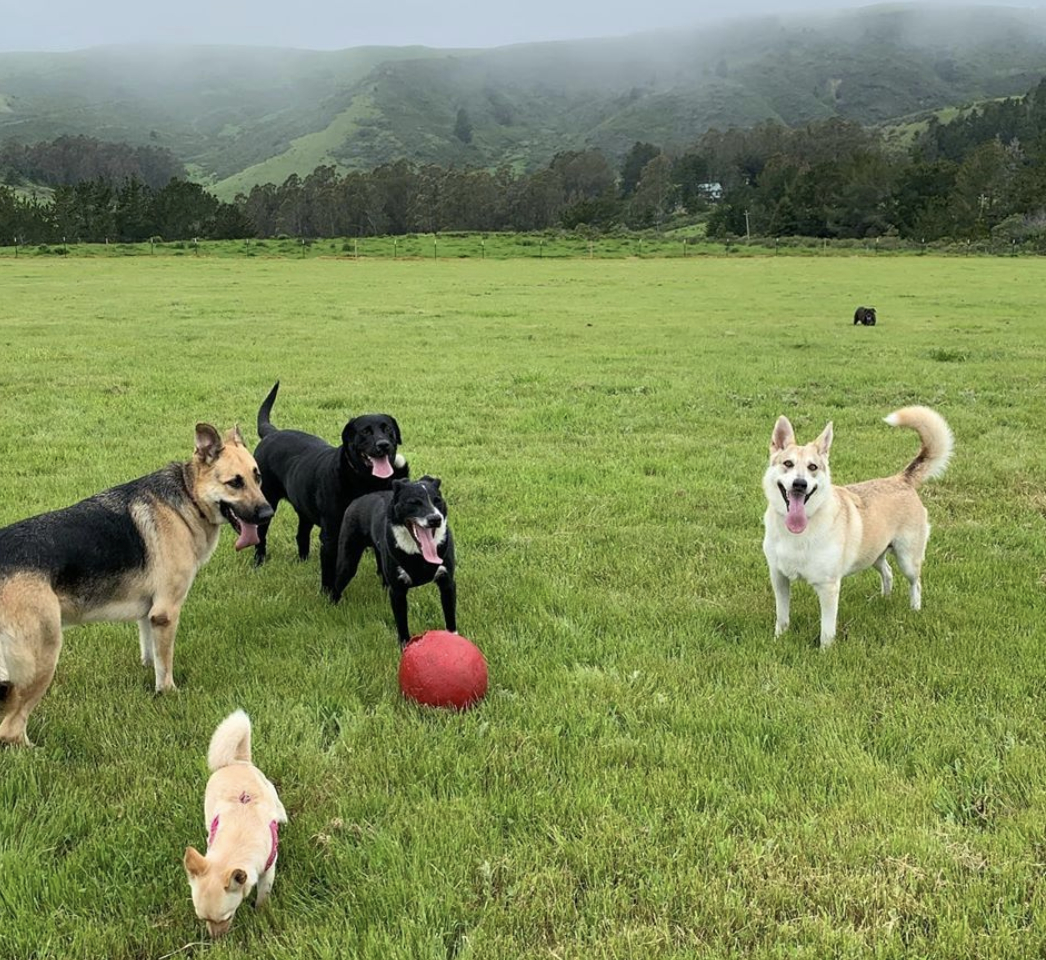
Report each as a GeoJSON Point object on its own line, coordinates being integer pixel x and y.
{"type": "Point", "coordinates": [195, 863]}
{"type": "Point", "coordinates": [824, 441]}
{"type": "Point", "coordinates": [234, 879]}
{"type": "Point", "coordinates": [396, 431]}
{"type": "Point", "coordinates": [208, 443]}
{"type": "Point", "coordinates": [783, 435]}
{"type": "Point", "coordinates": [435, 481]}
{"type": "Point", "coordinates": [234, 435]}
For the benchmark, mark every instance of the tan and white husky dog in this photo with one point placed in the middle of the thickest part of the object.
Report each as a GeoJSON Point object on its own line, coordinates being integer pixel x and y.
{"type": "Point", "coordinates": [820, 533]}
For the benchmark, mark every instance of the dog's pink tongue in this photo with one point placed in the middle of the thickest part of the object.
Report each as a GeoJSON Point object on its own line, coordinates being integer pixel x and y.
{"type": "Point", "coordinates": [427, 544]}
{"type": "Point", "coordinates": [796, 519]}
{"type": "Point", "coordinates": [381, 467]}
{"type": "Point", "coordinates": [248, 535]}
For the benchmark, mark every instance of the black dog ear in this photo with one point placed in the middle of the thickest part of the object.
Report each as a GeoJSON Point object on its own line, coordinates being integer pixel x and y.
{"type": "Point", "coordinates": [397, 484]}
{"type": "Point", "coordinates": [435, 481]}
{"type": "Point", "coordinates": [396, 430]}
{"type": "Point", "coordinates": [349, 433]}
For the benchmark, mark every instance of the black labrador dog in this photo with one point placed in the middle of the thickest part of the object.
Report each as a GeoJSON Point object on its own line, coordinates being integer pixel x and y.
{"type": "Point", "coordinates": [865, 316]}
{"type": "Point", "coordinates": [320, 481]}
{"type": "Point", "coordinates": [407, 529]}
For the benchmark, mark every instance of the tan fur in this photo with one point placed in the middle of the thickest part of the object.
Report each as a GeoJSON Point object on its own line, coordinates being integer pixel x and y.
{"type": "Point", "coordinates": [849, 528]}
{"type": "Point", "coordinates": [177, 543]}
{"type": "Point", "coordinates": [245, 803]}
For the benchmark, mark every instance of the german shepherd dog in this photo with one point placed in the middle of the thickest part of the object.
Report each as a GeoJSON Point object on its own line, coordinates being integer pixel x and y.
{"type": "Point", "coordinates": [820, 533]}
{"type": "Point", "coordinates": [129, 553]}
{"type": "Point", "coordinates": [407, 529]}
{"type": "Point", "coordinates": [320, 481]}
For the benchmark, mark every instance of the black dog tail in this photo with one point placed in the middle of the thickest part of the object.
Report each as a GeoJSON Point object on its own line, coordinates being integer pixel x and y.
{"type": "Point", "coordinates": [265, 427]}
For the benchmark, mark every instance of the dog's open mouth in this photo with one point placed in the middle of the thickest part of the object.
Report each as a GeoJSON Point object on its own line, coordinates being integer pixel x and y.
{"type": "Point", "coordinates": [248, 532]}
{"type": "Point", "coordinates": [424, 539]}
{"type": "Point", "coordinates": [379, 466]}
{"type": "Point", "coordinates": [795, 503]}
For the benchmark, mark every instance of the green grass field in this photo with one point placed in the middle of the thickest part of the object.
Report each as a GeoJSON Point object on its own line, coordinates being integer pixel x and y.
{"type": "Point", "coordinates": [651, 773]}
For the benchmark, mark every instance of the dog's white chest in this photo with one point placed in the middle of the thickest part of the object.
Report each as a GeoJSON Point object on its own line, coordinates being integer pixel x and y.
{"type": "Point", "coordinates": [807, 556]}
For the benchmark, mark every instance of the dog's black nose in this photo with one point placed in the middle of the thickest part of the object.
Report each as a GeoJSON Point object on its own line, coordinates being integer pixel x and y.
{"type": "Point", "coordinates": [799, 484]}
{"type": "Point", "coordinates": [434, 520]}
{"type": "Point", "coordinates": [264, 512]}
{"type": "Point", "coordinates": [383, 447]}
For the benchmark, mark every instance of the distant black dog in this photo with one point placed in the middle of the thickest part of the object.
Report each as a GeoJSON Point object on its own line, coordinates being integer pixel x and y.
{"type": "Point", "coordinates": [320, 481]}
{"type": "Point", "coordinates": [407, 529]}
{"type": "Point", "coordinates": [865, 315]}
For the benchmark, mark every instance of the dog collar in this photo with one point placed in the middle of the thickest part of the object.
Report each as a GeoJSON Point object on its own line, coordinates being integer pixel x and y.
{"type": "Point", "coordinates": [274, 829]}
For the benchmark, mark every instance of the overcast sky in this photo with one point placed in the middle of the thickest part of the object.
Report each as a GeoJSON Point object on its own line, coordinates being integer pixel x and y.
{"type": "Point", "coordinates": [333, 24]}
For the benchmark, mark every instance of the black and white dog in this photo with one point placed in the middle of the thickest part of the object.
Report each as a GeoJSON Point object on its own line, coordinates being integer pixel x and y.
{"type": "Point", "coordinates": [320, 481]}
{"type": "Point", "coordinates": [407, 529]}
{"type": "Point", "coordinates": [865, 316]}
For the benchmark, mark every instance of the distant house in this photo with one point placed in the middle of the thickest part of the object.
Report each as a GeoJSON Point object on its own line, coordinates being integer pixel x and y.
{"type": "Point", "coordinates": [712, 191]}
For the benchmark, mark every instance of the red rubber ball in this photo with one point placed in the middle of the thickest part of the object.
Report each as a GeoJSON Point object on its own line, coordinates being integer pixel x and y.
{"type": "Point", "coordinates": [441, 669]}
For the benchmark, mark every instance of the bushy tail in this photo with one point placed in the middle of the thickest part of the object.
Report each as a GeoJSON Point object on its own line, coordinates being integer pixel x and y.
{"type": "Point", "coordinates": [264, 426]}
{"type": "Point", "coordinates": [231, 741]}
{"type": "Point", "coordinates": [937, 442]}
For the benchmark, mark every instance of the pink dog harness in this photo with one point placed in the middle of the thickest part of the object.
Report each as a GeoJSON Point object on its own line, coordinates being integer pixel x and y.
{"type": "Point", "coordinates": [274, 829]}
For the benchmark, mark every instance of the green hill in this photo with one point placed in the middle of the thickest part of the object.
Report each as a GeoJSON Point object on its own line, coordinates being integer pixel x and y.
{"type": "Point", "coordinates": [239, 116]}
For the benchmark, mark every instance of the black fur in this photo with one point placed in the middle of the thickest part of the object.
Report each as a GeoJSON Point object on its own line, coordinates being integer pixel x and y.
{"type": "Point", "coordinates": [370, 521]}
{"type": "Point", "coordinates": [84, 549]}
{"type": "Point", "coordinates": [319, 480]}
{"type": "Point", "coordinates": [865, 316]}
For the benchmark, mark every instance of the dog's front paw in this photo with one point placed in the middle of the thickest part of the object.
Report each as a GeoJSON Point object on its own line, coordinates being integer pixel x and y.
{"type": "Point", "coordinates": [780, 628]}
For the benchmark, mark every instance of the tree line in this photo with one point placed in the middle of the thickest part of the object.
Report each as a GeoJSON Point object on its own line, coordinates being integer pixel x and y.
{"type": "Point", "coordinates": [981, 175]}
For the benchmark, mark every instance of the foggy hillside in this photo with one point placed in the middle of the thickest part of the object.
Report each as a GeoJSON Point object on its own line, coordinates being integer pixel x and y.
{"type": "Point", "coordinates": [240, 115]}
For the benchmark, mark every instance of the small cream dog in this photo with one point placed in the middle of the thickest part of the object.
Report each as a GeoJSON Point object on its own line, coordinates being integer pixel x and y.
{"type": "Point", "coordinates": [820, 533]}
{"type": "Point", "coordinates": [242, 814]}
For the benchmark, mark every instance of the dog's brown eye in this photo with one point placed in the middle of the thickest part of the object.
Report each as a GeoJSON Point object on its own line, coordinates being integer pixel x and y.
{"type": "Point", "coordinates": [236, 483]}
{"type": "Point", "coordinates": [812, 467]}
{"type": "Point", "coordinates": [788, 464]}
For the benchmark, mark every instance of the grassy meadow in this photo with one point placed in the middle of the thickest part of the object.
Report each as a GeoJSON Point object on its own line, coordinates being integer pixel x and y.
{"type": "Point", "coordinates": [651, 774]}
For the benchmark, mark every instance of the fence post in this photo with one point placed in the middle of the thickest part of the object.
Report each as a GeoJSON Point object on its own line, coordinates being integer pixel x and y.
{"type": "Point", "coordinates": [483, 249]}
{"type": "Point", "coordinates": [434, 246]}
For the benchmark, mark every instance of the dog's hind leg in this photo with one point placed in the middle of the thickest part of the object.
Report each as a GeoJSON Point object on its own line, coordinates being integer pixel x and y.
{"type": "Point", "coordinates": [885, 573]}
{"type": "Point", "coordinates": [348, 563]}
{"type": "Point", "coordinates": [43, 621]}
{"type": "Point", "coordinates": [910, 554]}
{"type": "Point", "coordinates": [273, 494]}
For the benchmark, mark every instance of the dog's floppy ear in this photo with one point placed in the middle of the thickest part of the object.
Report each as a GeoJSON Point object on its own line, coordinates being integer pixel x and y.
{"type": "Point", "coordinates": [208, 443]}
{"type": "Point", "coordinates": [824, 441]}
{"type": "Point", "coordinates": [234, 879]}
{"type": "Point", "coordinates": [194, 862]}
{"type": "Point", "coordinates": [348, 434]}
{"type": "Point", "coordinates": [396, 430]}
{"type": "Point", "coordinates": [783, 435]}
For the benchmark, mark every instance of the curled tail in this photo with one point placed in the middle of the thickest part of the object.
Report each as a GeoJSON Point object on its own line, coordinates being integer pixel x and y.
{"type": "Point", "coordinates": [231, 741]}
{"type": "Point", "coordinates": [937, 442]}
{"type": "Point", "coordinates": [265, 427]}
